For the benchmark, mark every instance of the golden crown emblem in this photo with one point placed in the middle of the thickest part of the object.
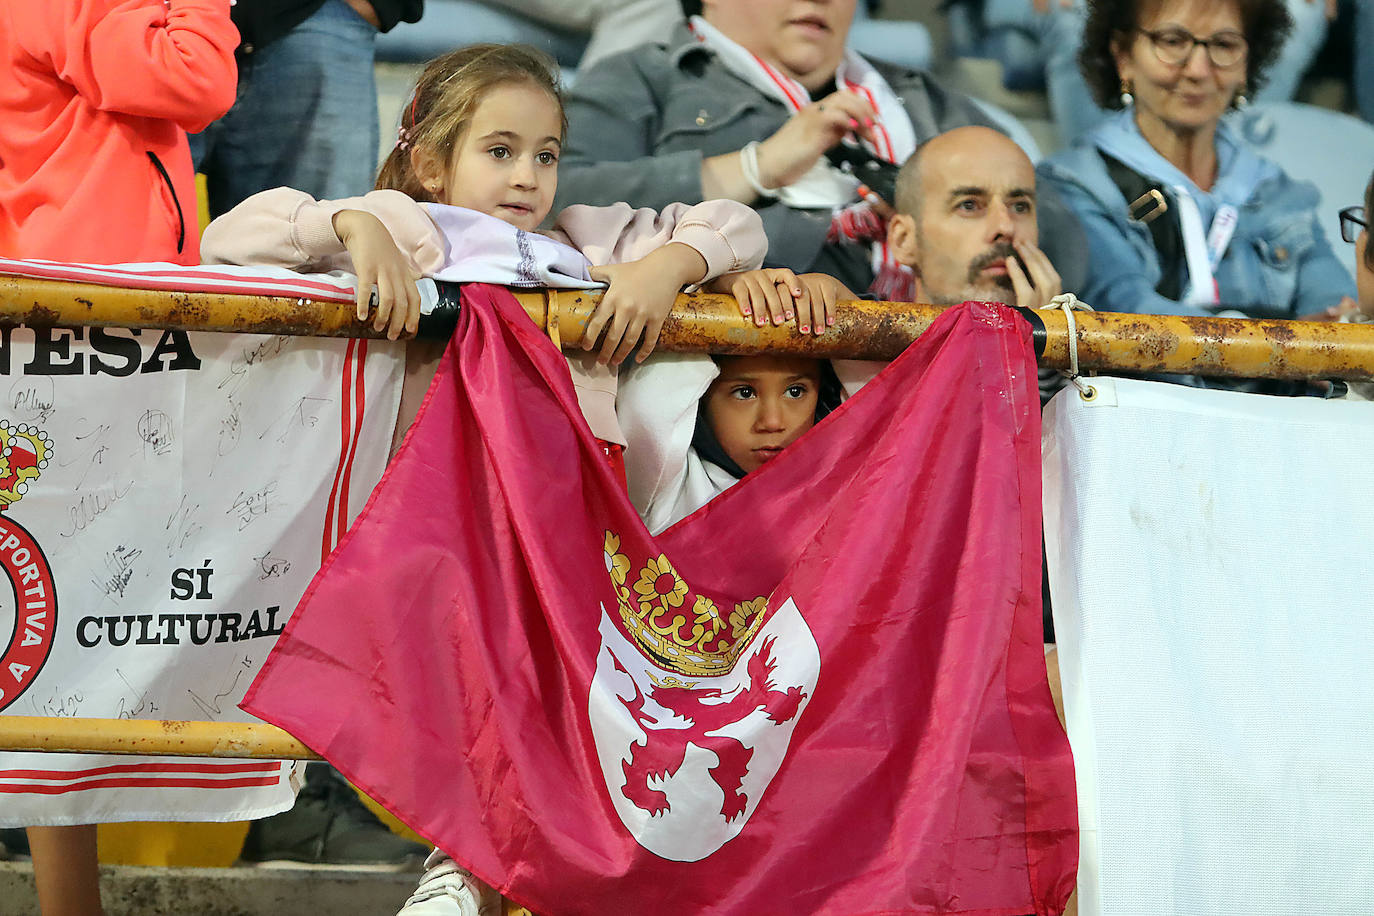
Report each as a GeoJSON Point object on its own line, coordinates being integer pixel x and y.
{"type": "Point", "coordinates": [24, 453]}
{"type": "Point", "coordinates": [689, 637]}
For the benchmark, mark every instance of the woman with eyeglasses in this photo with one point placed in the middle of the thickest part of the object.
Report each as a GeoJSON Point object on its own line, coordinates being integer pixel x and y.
{"type": "Point", "coordinates": [1182, 216]}
{"type": "Point", "coordinates": [1355, 228]}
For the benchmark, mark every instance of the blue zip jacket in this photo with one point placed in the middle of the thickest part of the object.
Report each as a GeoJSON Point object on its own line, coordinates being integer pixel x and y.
{"type": "Point", "coordinates": [1279, 263]}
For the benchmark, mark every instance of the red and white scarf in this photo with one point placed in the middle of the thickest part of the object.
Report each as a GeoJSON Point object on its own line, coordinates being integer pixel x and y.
{"type": "Point", "coordinates": [824, 186]}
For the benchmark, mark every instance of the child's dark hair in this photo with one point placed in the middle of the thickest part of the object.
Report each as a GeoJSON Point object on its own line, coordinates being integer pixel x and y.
{"type": "Point", "coordinates": [828, 397]}
{"type": "Point", "coordinates": [447, 95]}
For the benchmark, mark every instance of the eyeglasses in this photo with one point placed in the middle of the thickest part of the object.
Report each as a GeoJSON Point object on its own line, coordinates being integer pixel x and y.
{"type": "Point", "coordinates": [1352, 223]}
{"type": "Point", "coordinates": [1174, 46]}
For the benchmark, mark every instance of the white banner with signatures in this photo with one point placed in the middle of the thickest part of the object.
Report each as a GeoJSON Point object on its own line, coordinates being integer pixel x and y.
{"type": "Point", "coordinates": [165, 498]}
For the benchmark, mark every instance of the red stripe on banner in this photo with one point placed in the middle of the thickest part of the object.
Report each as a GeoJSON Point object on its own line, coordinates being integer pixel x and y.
{"type": "Point", "coordinates": [177, 281]}
{"type": "Point", "coordinates": [782, 82]}
{"type": "Point", "coordinates": [262, 768]}
{"type": "Point", "coordinates": [359, 402]}
{"type": "Point", "coordinates": [345, 415]}
{"type": "Point", "coordinates": [139, 782]}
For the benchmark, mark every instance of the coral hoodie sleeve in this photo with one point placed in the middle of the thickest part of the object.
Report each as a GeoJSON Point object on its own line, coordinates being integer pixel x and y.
{"type": "Point", "coordinates": [173, 61]}
{"type": "Point", "coordinates": [728, 235]}
{"type": "Point", "coordinates": [284, 227]}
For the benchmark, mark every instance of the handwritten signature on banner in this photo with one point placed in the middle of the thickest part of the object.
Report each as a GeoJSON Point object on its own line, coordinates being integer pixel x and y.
{"type": "Point", "coordinates": [119, 566]}
{"type": "Point", "coordinates": [32, 399]}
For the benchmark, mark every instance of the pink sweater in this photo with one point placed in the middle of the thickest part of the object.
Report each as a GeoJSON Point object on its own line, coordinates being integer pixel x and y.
{"type": "Point", "coordinates": [287, 228]}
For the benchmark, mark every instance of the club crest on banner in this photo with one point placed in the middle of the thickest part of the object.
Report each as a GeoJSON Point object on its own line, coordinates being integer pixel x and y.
{"type": "Point", "coordinates": [31, 617]}
{"type": "Point", "coordinates": [693, 713]}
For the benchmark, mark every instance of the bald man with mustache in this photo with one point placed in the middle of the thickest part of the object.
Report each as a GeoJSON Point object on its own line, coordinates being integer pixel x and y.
{"type": "Point", "coordinates": [966, 222]}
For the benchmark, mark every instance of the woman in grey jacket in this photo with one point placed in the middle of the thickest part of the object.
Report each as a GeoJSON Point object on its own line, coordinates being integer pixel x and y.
{"type": "Point", "coordinates": [744, 102]}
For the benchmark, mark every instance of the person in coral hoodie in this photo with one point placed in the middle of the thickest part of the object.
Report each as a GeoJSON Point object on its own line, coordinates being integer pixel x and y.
{"type": "Point", "coordinates": [96, 101]}
{"type": "Point", "coordinates": [94, 167]}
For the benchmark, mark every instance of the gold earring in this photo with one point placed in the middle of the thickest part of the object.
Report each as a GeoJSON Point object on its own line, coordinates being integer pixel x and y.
{"type": "Point", "coordinates": [1127, 98]}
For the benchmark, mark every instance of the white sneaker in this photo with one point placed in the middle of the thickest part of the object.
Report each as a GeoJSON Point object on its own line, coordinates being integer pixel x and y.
{"type": "Point", "coordinates": [449, 890]}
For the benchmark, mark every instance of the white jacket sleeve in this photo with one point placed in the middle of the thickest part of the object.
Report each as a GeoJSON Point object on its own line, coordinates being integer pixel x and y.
{"type": "Point", "coordinates": [657, 408]}
{"type": "Point", "coordinates": [855, 373]}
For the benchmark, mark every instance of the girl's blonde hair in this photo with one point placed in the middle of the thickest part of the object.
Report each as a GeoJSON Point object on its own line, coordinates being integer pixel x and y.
{"type": "Point", "coordinates": [446, 97]}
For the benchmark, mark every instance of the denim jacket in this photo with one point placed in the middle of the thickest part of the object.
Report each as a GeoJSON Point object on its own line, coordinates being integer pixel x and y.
{"type": "Point", "coordinates": [1279, 263]}
{"type": "Point", "coordinates": [640, 124]}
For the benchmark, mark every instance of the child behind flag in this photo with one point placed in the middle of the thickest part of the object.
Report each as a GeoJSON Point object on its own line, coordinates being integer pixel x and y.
{"type": "Point", "coordinates": [697, 425]}
{"type": "Point", "coordinates": [482, 135]}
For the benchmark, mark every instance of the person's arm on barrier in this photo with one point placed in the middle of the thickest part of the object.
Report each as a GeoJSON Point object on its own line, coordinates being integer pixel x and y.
{"type": "Point", "coordinates": [384, 237]}
{"type": "Point", "coordinates": [779, 295]}
{"type": "Point", "coordinates": [644, 254]}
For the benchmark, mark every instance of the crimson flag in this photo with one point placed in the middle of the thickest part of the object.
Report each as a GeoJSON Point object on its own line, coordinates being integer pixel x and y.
{"type": "Point", "coordinates": [823, 692]}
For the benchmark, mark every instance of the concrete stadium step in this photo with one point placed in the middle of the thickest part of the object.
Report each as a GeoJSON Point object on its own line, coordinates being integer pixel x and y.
{"type": "Point", "coordinates": [131, 890]}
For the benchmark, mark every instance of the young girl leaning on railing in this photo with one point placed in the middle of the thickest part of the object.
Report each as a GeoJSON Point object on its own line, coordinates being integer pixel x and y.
{"type": "Point", "coordinates": [483, 133]}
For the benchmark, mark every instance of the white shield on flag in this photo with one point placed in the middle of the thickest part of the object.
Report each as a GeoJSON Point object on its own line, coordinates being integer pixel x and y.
{"type": "Point", "coordinates": [687, 760]}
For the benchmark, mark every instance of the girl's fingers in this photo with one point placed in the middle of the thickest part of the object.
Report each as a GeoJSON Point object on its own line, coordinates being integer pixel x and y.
{"type": "Point", "coordinates": [788, 287]}
{"type": "Point", "coordinates": [743, 292]}
{"type": "Point", "coordinates": [614, 332]}
{"type": "Point", "coordinates": [773, 302]}
{"type": "Point", "coordinates": [828, 298]}
{"type": "Point", "coordinates": [651, 332]}
{"type": "Point", "coordinates": [787, 295]}
{"type": "Point", "coordinates": [604, 310]}
{"type": "Point", "coordinates": [401, 311]}
{"type": "Point", "coordinates": [365, 291]}
{"type": "Point", "coordinates": [751, 289]}
{"type": "Point", "coordinates": [628, 340]}
{"type": "Point", "coordinates": [805, 305]}
{"type": "Point", "coordinates": [379, 321]}
{"type": "Point", "coordinates": [364, 299]}
{"type": "Point", "coordinates": [386, 294]}
{"type": "Point", "coordinates": [416, 301]}
{"type": "Point", "coordinates": [740, 290]}
{"type": "Point", "coordinates": [759, 300]}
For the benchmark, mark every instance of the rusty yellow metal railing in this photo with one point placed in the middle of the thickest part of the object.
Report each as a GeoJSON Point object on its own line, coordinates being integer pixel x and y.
{"type": "Point", "coordinates": [151, 737]}
{"type": "Point", "coordinates": [1107, 342]}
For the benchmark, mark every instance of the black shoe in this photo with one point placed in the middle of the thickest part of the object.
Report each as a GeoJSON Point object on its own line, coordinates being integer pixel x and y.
{"type": "Point", "coordinates": [329, 826]}
{"type": "Point", "coordinates": [14, 843]}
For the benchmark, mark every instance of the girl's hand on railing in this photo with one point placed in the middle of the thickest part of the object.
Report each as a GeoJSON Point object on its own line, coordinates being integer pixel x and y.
{"type": "Point", "coordinates": [778, 295]}
{"type": "Point", "coordinates": [640, 295]}
{"type": "Point", "coordinates": [378, 262]}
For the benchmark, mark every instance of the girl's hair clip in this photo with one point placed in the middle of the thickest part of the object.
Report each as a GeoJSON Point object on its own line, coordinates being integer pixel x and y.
{"type": "Point", "coordinates": [402, 138]}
